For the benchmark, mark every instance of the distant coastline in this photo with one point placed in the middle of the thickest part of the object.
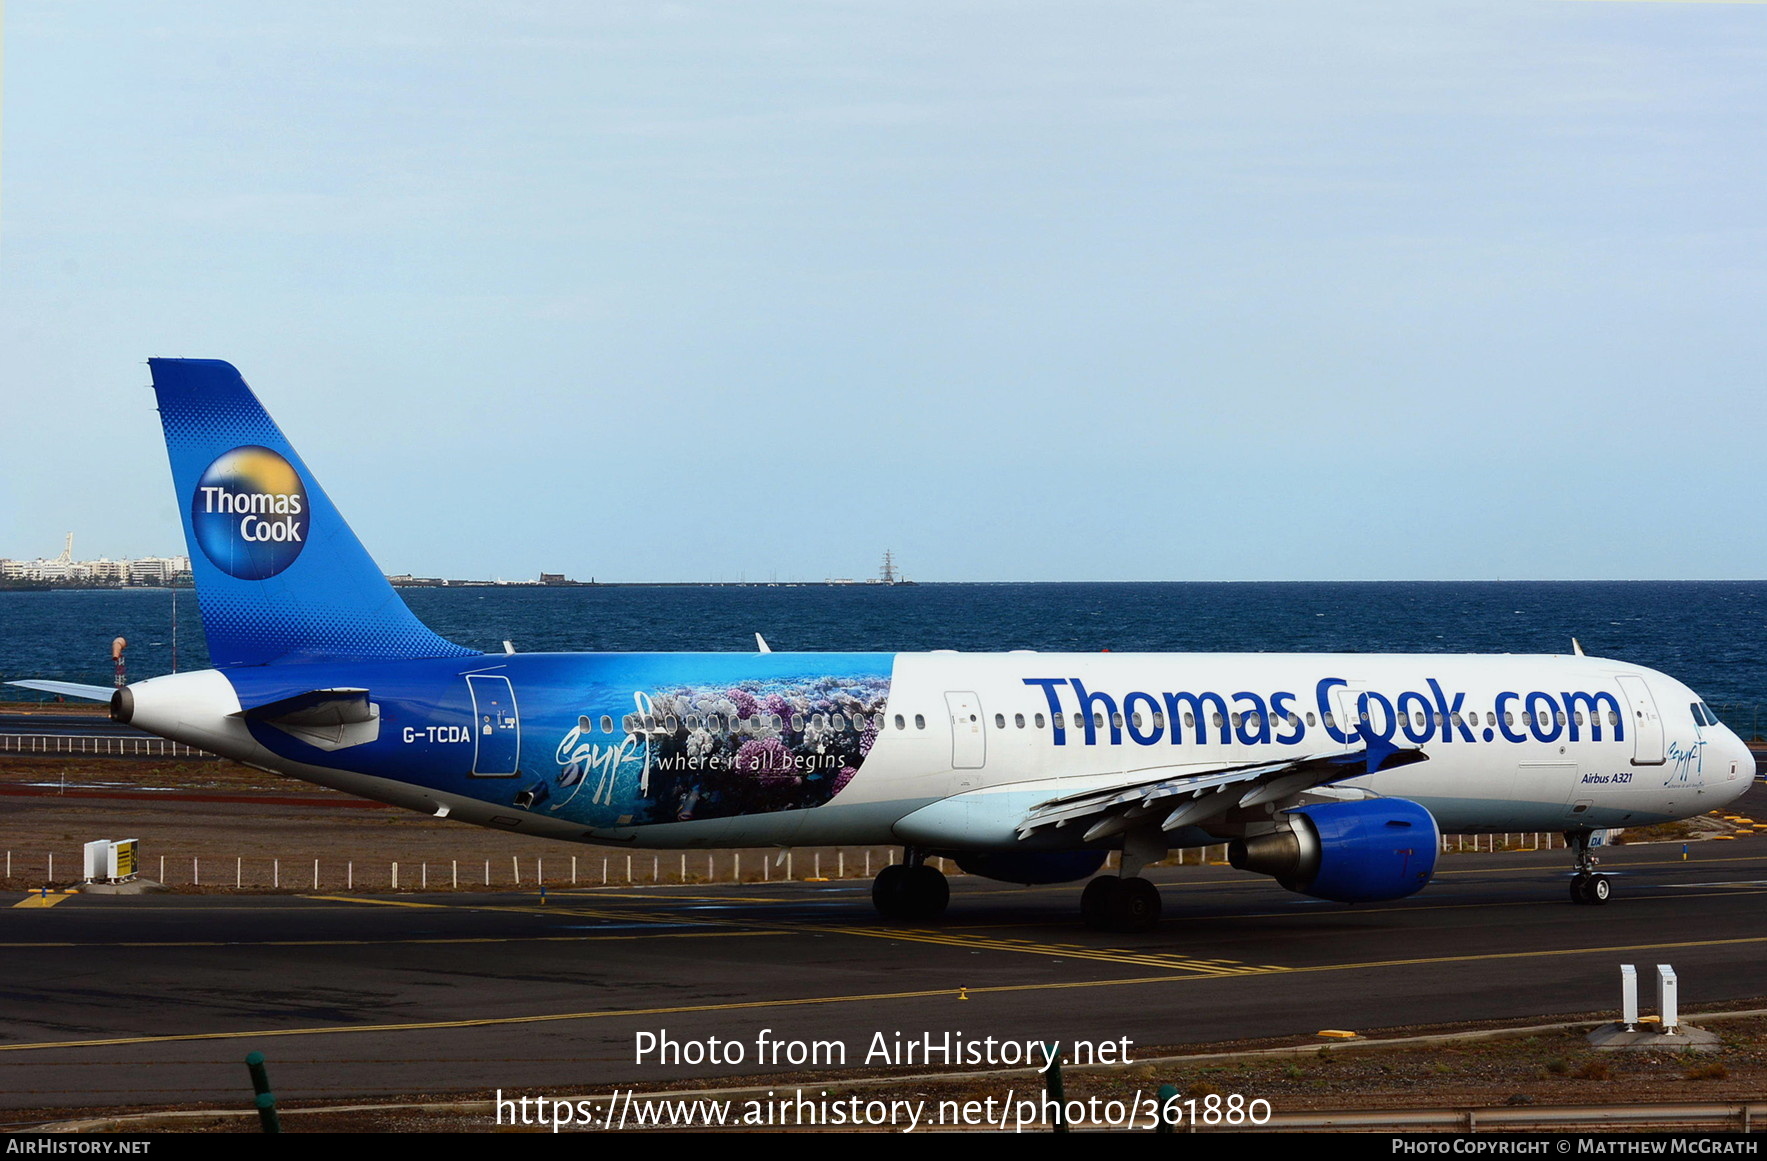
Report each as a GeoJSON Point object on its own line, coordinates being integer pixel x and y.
{"type": "Point", "coordinates": [411, 582]}
{"type": "Point", "coordinates": [549, 581]}
{"type": "Point", "coordinates": [8, 585]}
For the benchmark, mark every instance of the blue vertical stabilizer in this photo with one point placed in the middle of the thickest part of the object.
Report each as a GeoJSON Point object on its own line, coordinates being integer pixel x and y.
{"type": "Point", "coordinates": [279, 574]}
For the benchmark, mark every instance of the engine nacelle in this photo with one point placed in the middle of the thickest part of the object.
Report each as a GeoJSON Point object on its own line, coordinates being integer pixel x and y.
{"type": "Point", "coordinates": [1030, 867]}
{"type": "Point", "coordinates": [1353, 852]}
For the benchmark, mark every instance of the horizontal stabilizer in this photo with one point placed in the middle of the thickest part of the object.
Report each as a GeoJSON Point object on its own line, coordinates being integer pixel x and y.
{"type": "Point", "coordinates": [69, 689]}
{"type": "Point", "coordinates": [1182, 797]}
{"type": "Point", "coordinates": [327, 719]}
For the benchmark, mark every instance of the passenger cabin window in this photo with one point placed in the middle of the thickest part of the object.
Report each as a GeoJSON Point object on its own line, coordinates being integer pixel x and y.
{"type": "Point", "coordinates": [1018, 720]}
{"type": "Point", "coordinates": [1000, 721]}
{"type": "Point", "coordinates": [920, 721]}
{"type": "Point", "coordinates": [900, 724]}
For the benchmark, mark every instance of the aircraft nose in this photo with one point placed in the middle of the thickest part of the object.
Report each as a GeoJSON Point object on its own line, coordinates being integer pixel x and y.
{"type": "Point", "coordinates": [1740, 771]}
{"type": "Point", "coordinates": [1746, 757]}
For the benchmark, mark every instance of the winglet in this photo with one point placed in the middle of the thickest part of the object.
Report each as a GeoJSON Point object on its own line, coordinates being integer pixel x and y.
{"type": "Point", "coordinates": [1379, 754]}
{"type": "Point", "coordinates": [1375, 750]}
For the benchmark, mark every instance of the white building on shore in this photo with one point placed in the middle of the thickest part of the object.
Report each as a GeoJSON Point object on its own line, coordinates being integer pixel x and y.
{"type": "Point", "coordinates": [64, 569]}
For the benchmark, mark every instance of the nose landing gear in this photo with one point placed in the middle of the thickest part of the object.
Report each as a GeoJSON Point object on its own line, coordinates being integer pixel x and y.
{"type": "Point", "coordinates": [1588, 887]}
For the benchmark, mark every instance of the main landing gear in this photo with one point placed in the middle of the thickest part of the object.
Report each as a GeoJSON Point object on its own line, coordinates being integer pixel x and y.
{"type": "Point", "coordinates": [1125, 901]}
{"type": "Point", "coordinates": [1110, 903]}
{"type": "Point", "coordinates": [1587, 886]}
{"type": "Point", "coordinates": [910, 891]}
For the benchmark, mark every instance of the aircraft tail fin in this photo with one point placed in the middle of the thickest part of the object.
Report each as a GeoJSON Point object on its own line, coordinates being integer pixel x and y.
{"type": "Point", "coordinates": [279, 574]}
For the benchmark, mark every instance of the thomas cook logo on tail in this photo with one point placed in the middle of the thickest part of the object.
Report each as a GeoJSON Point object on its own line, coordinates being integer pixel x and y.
{"type": "Point", "coordinates": [250, 513]}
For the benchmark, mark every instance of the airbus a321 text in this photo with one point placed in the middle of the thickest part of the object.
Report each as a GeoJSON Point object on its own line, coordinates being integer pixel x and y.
{"type": "Point", "coordinates": [1335, 774]}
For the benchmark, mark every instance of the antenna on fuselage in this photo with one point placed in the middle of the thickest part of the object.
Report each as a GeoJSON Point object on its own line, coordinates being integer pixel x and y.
{"type": "Point", "coordinates": [1576, 649]}
{"type": "Point", "coordinates": [761, 644]}
{"type": "Point", "coordinates": [508, 648]}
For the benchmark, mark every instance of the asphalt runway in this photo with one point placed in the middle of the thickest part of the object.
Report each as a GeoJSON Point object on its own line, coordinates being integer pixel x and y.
{"type": "Point", "coordinates": [80, 725]}
{"type": "Point", "coordinates": [154, 1000]}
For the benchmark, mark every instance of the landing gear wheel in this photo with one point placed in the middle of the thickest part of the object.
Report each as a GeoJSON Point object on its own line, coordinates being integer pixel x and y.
{"type": "Point", "coordinates": [1095, 902]}
{"type": "Point", "coordinates": [1113, 904]}
{"type": "Point", "coordinates": [1587, 886]}
{"type": "Point", "coordinates": [910, 894]}
{"type": "Point", "coordinates": [887, 894]}
{"type": "Point", "coordinates": [926, 893]}
{"type": "Point", "coordinates": [1136, 906]}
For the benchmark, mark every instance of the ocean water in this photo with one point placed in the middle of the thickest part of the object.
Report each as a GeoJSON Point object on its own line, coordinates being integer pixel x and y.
{"type": "Point", "coordinates": [1708, 634]}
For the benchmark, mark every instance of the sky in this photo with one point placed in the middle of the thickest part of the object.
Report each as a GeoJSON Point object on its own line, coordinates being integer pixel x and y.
{"type": "Point", "coordinates": [1248, 290]}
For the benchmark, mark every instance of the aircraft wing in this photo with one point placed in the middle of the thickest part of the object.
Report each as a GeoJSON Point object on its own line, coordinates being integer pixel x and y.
{"type": "Point", "coordinates": [1179, 798]}
{"type": "Point", "coordinates": [69, 689]}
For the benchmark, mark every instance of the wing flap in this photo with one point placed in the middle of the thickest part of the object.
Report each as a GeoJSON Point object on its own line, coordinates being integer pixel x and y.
{"type": "Point", "coordinates": [1191, 795]}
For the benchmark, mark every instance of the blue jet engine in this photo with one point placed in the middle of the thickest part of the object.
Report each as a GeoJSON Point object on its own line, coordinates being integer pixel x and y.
{"type": "Point", "coordinates": [1353, 852]}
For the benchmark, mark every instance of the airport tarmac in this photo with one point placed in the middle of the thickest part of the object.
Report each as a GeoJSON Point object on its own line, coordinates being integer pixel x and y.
{"type": "Point", "coordinates": [154, 1000]}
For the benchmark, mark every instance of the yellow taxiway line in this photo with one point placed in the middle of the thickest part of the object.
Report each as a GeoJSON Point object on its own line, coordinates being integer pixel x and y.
{"type": "Point", "coordinates": [862, 998]}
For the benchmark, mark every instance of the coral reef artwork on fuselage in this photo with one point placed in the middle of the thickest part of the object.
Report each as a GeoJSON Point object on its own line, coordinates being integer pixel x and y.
{"type": "Point", "coordinates": [713, 749]}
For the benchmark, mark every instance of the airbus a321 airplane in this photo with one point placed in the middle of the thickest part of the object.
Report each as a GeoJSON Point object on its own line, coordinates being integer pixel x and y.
{"type": "Point", "coordinates": [1335, 774]}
